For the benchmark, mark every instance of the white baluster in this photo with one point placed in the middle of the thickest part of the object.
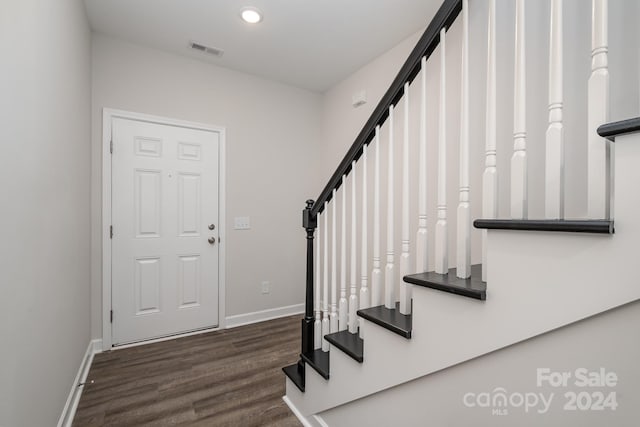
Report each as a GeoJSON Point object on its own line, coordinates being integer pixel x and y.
{"type": "Point", "coordinates": [353, 297]}
{"type": "Point", "coordinates": [343, 307]}
{"type": "Point", "coordinates": [364, 289]}
{"type": "Point", "coordinates": [519, 158]}
{"type": "Point", "coordinates": [490, 175]}
{"type": "Point", "coordinates": [376, 274]}
{"type": "Point", "coordinates": [554, 161]}
{"type": "Point", "coordinates": [389, 277]}
{"type": "Point", "coordinates": [333, 315]}
{"type": "Point", "coordinates": [325, 294]}
{"type": "Point", "coordinates": [422, 258]}
{"type": "Point", "coordinates": [463, 235]}
{"type": "Point", "coordinates": [441, 249]}
{"type": "Point", "coordinates": [599, 154]}
{"type": "Point", "coordinates": [317, 326]}
{"type": "Point", "coordinates": [405, 259]}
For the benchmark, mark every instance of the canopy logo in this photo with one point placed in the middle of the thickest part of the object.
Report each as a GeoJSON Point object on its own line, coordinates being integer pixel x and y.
{"type": "Point", "coordinates": [500, 401]}
{"type": "Point", "coordinates": [586, 398]}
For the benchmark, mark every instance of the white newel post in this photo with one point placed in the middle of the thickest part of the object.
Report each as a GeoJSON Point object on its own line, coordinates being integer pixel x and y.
{"type": "Point", "coordinates": [599, 153]}
{"type": "Point", "coordinates": [376, 274]}
{"type": "Point", "coordinates": [405, 257]}
{"type": "Point", "coordinates": [490, 175]}
{"type": "Point", "coordinates": [441, 248]}
{"type": "Point", "coordinates": [333, 315]}
{"type": "Point", "coordinates": [317, 326]}
{"type": "Point", "coordinates": [389, 276]}
{"type": "Point", "coordinates": [422, 258]}
{"type": "Point", "coordinates": [325, 294]}
{"type": "Point", "coordinates": [343, 307]}
{"type": "Point", "coordinates": [463, 235]}
{"type": "Point", "coordinates": [554, 153]}
{"type": "Point", "coordinates": [519, 158]}
{"type": "Point", "coordinates": [364, 267]}
{"type": "Point", "coordinates": [353, 297]}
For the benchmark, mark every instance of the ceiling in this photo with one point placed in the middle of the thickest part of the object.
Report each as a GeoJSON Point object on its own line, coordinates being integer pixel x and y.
{"type": "Point", "coordinates": [312, 44]}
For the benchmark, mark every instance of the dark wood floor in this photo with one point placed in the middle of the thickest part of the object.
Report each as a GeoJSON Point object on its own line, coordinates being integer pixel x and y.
{"type": "Point", "coordinates": [227, 378]}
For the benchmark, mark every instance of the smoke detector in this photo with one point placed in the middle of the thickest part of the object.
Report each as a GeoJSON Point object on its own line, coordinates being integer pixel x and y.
{"type": "Point", "coordinates": [206, 49]}
{"type": "Point", "coordinates": [359, 99]}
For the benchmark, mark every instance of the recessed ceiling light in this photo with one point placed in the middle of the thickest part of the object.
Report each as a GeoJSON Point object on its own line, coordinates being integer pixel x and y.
{"type": "Point", "coordinates": [251, 15]}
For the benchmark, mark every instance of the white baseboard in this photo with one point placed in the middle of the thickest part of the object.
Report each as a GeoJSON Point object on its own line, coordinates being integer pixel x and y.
{"type": "Point", "coordinates": [320, 421]}
{"type": "Point", "coordinates": [69, 411]}
{"type": "Point", "coordinates": [303, 420]}
{"type": "Point", "coordinates": [97, 346]}
{"type": "Point", "coordinates": [261, 316]}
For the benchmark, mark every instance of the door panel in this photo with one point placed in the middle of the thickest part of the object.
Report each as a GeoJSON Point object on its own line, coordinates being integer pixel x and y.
{"type": "Point", "coordinates": [189, 204]}
{"type": "Point", "coordinates": [147, 285]}
{"type": "Point", "coordinates": [189, 281]}
{"type": "Point", "coordinates": [165, 195]}
{"type": "Point", "coordinates": [147, 202]}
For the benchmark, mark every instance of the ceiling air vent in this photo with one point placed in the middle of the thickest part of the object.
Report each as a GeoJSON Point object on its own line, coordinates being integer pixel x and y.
{"type": "Point", "coordinates": [206, 49]}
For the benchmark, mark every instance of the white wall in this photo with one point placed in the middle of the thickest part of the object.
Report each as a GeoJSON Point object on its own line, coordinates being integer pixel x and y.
{"type": "Point", "coordinates": [341, 122]}
{"type": "Point", "coordinates": [437, 399]}
{"type": "Point", "coordinates": [45, 171]}
{"type": "Point", "coordinates": [272, 134]}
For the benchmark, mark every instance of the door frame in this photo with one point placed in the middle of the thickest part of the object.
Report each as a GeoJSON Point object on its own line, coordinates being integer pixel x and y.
{"type": "Point", "coordinates": [108, 114]}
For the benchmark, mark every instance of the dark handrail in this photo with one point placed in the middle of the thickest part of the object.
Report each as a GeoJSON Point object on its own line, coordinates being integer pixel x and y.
{"type": "Point", "coordinates": [445, 16]}
{"type": "Point", "coordinates": [601, 226]}
{"type": "Point", "coordinates": [611, 130]}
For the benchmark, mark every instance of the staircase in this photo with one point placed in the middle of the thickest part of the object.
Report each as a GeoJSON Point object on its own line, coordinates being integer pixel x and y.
{"type": "Point", "coordinates": [394, 323]}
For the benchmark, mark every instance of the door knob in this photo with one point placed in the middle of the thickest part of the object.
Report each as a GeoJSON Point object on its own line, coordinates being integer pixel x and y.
{"type": "Point", "coordinates": [212, 226]}
{"type": "Point", "coordinates": [212, 240]}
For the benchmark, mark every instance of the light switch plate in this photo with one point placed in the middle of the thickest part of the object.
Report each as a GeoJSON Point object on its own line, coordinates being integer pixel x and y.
{"type": "Point", "coordinates": [242, 223]}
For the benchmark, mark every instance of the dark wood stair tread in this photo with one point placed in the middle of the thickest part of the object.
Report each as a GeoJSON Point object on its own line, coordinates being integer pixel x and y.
{"type": "Point", "coordinates": [622, 127]}
{"type": "Point", "coordinates": [295, 373]}
{"type": "Point", "coordinates": [598, 226]}
{"type": "Point", "coordinates": [318, 360]}
{"type": "Point", "coordinates": [473, 287]}
{"type": "Point", "coordinates": [388, 318]}
{"type": "Point", "coordinates": [349, 343]}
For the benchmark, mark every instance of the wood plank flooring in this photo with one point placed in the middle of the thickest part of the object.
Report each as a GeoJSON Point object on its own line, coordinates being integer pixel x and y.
{"type": "Point", "coordinates": [226, 378]}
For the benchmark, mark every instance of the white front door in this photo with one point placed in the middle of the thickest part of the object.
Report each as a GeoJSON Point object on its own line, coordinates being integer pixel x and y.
{"type": "Point", "coordinates": [165, 230]}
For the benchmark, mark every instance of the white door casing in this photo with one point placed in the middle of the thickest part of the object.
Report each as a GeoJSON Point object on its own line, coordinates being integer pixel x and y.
{"type": "Point", "coordinates": [161, 274]}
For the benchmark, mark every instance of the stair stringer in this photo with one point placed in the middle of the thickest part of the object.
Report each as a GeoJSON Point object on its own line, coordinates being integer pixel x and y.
{"type": "Point", "coordinates": [537, 282]}
{"type": "Point", "coordinates": [437, 399]}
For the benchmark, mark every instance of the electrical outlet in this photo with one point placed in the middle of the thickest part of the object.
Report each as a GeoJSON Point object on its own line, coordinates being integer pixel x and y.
{"type": "Point", "coordinates": [242, 223]}
{"type": "Point", "coordinates": [266, 287]}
